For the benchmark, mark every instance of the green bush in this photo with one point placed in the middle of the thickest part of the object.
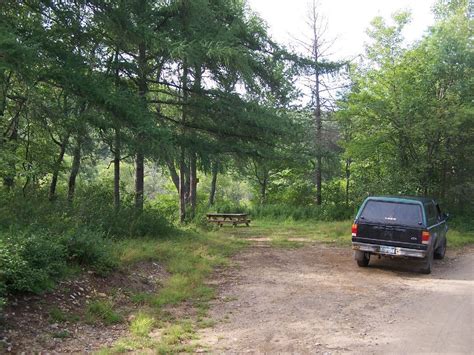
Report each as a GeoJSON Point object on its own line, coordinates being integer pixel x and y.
{"type": "Point", "coordinates": [85, 246]}
{"type": "Point", "coordinates": [148, 223]}
{"type": "Point", "coordinates": [40, 239]}
{"type": "Point", "coordinates": [30, 261]}
{"type": "Point", "coordinates": [229, 207]}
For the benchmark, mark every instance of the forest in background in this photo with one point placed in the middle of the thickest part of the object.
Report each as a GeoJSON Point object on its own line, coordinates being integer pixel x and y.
{"type": "Point", "coordinates": [124, 119]}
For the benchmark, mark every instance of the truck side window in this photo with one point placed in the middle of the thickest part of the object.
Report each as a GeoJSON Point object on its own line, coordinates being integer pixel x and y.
{"type": "Point", "coordinates": [438, 212]}
{"type": "Point", "coordinates": [431, 214]}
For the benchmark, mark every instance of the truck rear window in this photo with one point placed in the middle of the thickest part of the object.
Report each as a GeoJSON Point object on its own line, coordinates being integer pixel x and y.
{"type": "Point", "coordinates": [392, 213]}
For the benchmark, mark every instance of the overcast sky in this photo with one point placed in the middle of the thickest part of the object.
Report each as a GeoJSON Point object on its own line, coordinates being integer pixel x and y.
{"type": "Point", "coordinates": [347, 20]}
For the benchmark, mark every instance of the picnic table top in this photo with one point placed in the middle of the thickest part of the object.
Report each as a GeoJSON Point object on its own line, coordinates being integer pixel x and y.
{"type": "Point", "coordinates": [226, 214]}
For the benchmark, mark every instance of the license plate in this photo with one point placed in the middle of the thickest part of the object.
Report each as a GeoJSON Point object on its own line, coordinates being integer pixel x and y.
{"type": "Point", "coordinates": [387, 250]}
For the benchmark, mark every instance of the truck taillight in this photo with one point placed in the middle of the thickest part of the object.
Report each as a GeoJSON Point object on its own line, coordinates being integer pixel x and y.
{"type": "Point", "coordinates": [425, 237]}
{"type": "Point", "coordinates": [354, 230]}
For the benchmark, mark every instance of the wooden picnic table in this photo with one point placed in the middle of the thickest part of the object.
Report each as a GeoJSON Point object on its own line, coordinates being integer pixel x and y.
{"type": "Point", "coordinates": [230, 218]}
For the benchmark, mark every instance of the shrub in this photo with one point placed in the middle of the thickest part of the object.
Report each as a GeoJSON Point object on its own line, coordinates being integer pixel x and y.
{"type": "Point", "coordinates": [229, 207]}
{"type": "Point", "coordinates": [30, 261]}
{"type": "Point", "coordinates": [86, 246]}
{"type": "Point", "coordinates": [148, 223]}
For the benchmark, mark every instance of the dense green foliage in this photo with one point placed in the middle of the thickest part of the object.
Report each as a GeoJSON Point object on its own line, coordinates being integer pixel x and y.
{"type": "Point", "coordinates": [409, 113]}
{"type": "Point", "coordinates": [120, 118]}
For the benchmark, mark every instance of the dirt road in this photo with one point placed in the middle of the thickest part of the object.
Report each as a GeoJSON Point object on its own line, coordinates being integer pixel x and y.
{"type": "Point", "coordinates": [315, 299]}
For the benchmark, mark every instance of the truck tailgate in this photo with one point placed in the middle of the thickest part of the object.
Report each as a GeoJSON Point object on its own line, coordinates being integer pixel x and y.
{"type": "Point", "coordinates": [389, 235]}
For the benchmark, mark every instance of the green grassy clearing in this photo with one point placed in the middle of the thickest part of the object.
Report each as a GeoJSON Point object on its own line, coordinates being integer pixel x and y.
{"type": "Point", "coordinates": [281, 233]}
{"type": "Point", "coordinates": [293, 234]}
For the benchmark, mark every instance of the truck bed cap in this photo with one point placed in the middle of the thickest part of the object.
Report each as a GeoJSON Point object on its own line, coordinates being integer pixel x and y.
{"type": "Point", "coordinates": [401, 198]}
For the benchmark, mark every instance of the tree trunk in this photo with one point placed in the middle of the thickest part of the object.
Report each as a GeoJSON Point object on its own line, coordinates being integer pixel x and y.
{"type": "Point", "coordinates": [11, 137]}
{"type": "Point", "coordinates": [317, 96]}
{"type": "Point", "coordinates": [182, 188]}
{"type": "Point", "coordinates": [263, 191]}
{"type": "Point", "coordinates": [348, 176]}
{"type": "Point", "coordinates": [193, 184]}
{"type": "Point", "coordinates": [182, 164]}
{"type": "Point", "coordinates": [5, 79]}
{"type": "Point", "coordinates": [174, 175]}
{"type": "Point", "coordinates": [319, 198]}
{"type": "Point", "coordinates": [139, 180]}
{"type": "Point", "coordinates": [57, 167]}
{"type": "Point", "coordinates": [140, 158]}
{"type": "Point", "coordinates": [318, 123]}
{"type": "Point", "coordinates": [76, 164]}
{"type": "Point", "coordinates": [187, 183]}
{"type": "Point", "coordinates": [193, 180]}
{"type": "Point", "coordinates": [212, 195]}
{"type": "Point", "coordinates": [117, 149]}
{"type": "Point", "coordinates": [117, 158]}
{"type": "Point", "coordinates": [263, 188]}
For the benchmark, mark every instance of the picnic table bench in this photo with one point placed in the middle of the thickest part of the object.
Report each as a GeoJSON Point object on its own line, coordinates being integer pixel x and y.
{"type": "Point", "coordinates": [230, 218]}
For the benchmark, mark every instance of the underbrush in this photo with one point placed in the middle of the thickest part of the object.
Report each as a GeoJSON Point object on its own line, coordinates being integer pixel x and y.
{"type": "Point", "coordinates": [33, 259]}
{"type": "Point", "coordinates": [42, 241]}
{"type": "Point", "coordinates": [327, 212]}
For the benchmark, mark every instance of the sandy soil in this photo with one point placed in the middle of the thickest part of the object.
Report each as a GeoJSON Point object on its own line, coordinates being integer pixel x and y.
{"type": "Point", "coordinates": [315, 299]}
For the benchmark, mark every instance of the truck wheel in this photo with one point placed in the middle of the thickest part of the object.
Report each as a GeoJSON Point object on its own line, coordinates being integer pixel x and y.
{"type": "Point", "coordinates": [441, 251]}
{"type": "Point", "coordinates": [427, 263]}
{"type": "Point", "coordinates": [362, 258]}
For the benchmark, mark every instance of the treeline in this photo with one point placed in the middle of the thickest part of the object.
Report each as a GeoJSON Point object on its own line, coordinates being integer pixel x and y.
{"type": "Point", "coordinates": [403, 123]}
{"type": "Point", "coordinates": [195, 89]}
{"type": "Point", "coordinates": [181, 84]}
{"type": "Point", "coordinates": [407, 122]}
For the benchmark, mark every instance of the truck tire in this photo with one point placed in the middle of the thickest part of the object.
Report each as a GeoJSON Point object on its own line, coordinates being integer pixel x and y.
{"type": "Point", "coordinates": [440, 251]}
{"type": "Point", "coordinates": [427, 263]}
{"type": "Point", "coordinates": [362, 258]}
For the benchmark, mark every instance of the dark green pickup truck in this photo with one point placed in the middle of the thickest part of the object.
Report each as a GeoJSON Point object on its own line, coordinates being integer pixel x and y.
{"type": "Point", "coordinates": [404, 227]}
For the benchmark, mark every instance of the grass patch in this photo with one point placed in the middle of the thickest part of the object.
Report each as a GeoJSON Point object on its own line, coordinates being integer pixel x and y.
{"type": "Point", "coordinates": [205, 323]}
{"type": "Point", "coordinates": [279, 232]}
{"type": "Point", "coordinates": [102, 311]}
{"type": "Point", "coordinates": [190, 257]}
{"type": "Point", "coordinates": [141, 298]}
{"type": "Point", "coordinates": [458, 239]}
{"type": "Point", "coordinates": [63, 334]}
{"type": "Point", "coordinates": [128, 344]}
{"type": "Point", "coordinates": [174, 339]}
{"type": "Point", "coordinates": [56, 315]}
{"type": "Point", "coordinates": [285, 243]}
{"type": "Point", "coordinates": [142, 324]}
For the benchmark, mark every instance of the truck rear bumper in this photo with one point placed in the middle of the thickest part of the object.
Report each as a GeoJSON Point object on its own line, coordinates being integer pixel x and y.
{"type": "Point", "coordinates": [390, 251]}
